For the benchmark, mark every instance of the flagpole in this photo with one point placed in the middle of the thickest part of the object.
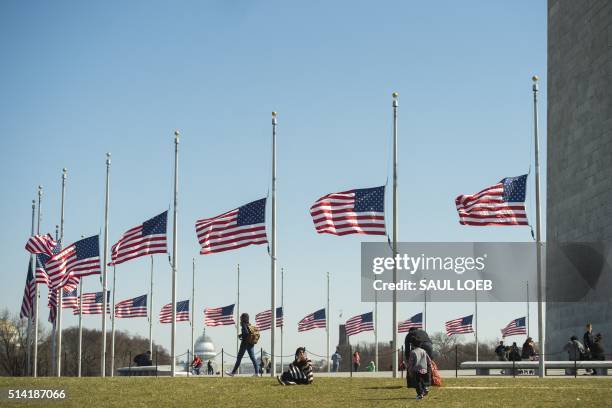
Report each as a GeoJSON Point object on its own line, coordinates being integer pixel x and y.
{"type": "Point", "coordinates": [237, 311]}
{"type": "Point", "coordinates": [54, 322]}
{"type": "Point", "coordinates": [541, 323]}
{"type": "Point", "coordinates": [36, 294]}
{"type": "Point", "coordinates": [112, 371]}
{"type": "Point", "coordinates": [376, 329]}
{"type": "Point", "coordinates": [273, 251]}
{"type": "Point", "coordinates": [192, 309]}
{"type": "Point", "coordinates": [283, 309]}
{"type": "Point", "coordinates": [151, 312]}
{"type": "Point", "coordinates": [395, 223]}
{"type": "Point", "coordinates": [528, 319]}
{"type": "Point", "coordinates": [80, 352]}
{"type": "Point", "coordinates": [104, 270]}
{"type": "Point", "coordinates": [327, 324]}
{"type": "Point", "coordinates": [476, 320]}
{"type": "Point", "coordinates": [425, 310]}
{"type": "Point", "coordinates": [33, 269]}
{"type": "Point", "coordinates": [60, 290]}
{"type": "Point", "coordinates": [174, 260]}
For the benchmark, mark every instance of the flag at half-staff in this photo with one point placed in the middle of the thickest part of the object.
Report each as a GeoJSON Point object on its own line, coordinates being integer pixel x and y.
{"type": "Point", "coordinates": [41, 244]}
{"type": "Point", "coordinates": [219, 316]}
{"type": "Point", "coordinates": [263, 320]}
{"type": "Point", "coordinates": [92, 303]}
{"type": "Point", "coordinates": [459, 326]}
{"type": "Point", "coordinates": [79, 259]}
{"type": "Point", "coordinates": [359, 323]}
{"type": "Point", "coordinates": [313, 321]}
{"type": "Point", "coordinates": [234, 229]}
{"type": "Point", "coordinates": [501, 204]}
{"type": "Point", "coordinates": [27, 302]}
{"type": "Point", "coordinates": [415, 321]}
{"type": "Point", "coordinates": [135, 307]}
{"type": "Point", "coordinates": [182, 312]}
{"type": "Point", "coordinates": [70, 300]}
{"type": "Point", "coordinates": [515, 327]}
{"type": "Point", "coordinates": [146, 239]}
{"type": "Point", "coordinates": [360, 211]}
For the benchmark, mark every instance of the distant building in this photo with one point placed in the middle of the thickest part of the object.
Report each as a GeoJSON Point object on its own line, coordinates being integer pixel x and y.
{"type": "Point", "coordinates": [204, 347]}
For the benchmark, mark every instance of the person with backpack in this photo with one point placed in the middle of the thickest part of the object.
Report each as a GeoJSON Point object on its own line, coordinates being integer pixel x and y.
{"type": "Point", "coordinates": [419, 370]}
{"type": "Point", "coordinates": [299, 371]}
{"type": "Point", "coordinates": [249, 336]}
{"type": "Point", "coordinates": [575, 350]}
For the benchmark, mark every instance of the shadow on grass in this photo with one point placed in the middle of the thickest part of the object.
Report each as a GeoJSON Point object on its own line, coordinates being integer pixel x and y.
{"type": "Point", "coordinates": [388, 387]}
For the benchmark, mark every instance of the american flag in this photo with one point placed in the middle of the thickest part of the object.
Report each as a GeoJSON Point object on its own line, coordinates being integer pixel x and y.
{"type": "Point", "coordinates": [28, 294]}
{"type": "Point", "coordinates": [182, 312]}
{"type": "Point", "coordinates": [70, 300]}
{"type": "Point", "coordinates": [219, 316]}
{"type": "Point", "coordinates": [263, 320]}
{"type": "Point", "coordinates": [459, 326]}
{"type": "Point", "coordinates": [41, 259]}
{"type": "Point", "coordinates": [234, 229]}
{"type": "Point", "coordinates": [93, 303]}
{"type": "Point", "coordinates": [516, 326]}
{"type": "Point", "coordinates": [359, 323]}
{"type": "Point", "coordinates": [500, 204]}
{"type": "Point", "coordinates": [360, 211]}
{"type": "Point", "coordinates": [82, 258]}
{"type": "Point", "coordinates": [136, 307]}
{"type": "Point", "coordinates": [41, 244]}
{"type": "Point", "coordinates": [145, 239]}
{"type": "Point", "coordinates": [313, 321]}
{"type": "Point", "coordinates": [415, 321]}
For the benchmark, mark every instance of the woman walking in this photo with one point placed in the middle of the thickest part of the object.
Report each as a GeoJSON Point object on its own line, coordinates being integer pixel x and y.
{"type": "Point", "coordinates": [249, 336]}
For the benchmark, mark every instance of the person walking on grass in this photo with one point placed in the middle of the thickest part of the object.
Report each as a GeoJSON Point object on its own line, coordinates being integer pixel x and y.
{"type": "Point", "coordinates": [249, 336]}
{"type": "Point", "coordinates": [419, 369]}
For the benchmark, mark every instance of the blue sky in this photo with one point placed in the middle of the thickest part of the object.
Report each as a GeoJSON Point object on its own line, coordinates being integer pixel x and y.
{"type": "Point", "coordinates": [80, 79]}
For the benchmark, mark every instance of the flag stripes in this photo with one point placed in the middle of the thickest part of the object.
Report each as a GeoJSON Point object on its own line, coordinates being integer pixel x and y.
{"type": "Point", "coordinates": [360, 211]}
{"type": "Point", "coordinates": [82, 258]}
{"type": "Point", "coordinates": [415, 321]}
{"type": "Point", "coordinates": [146, 239]}
{"type": "Point", "coordinates": [459, 326]}
{"type": "Point", "coordinates": [182, 312]}
{"type": "Point", "coordinates": [135, 307]}
{"type": "Point", "coordinates": [500, 204]}
{"type": "Point", "coordinates": [219, 316]}
{"type": "Point", "coordinates": [234, 229]}
{"type": "Point", "coordinates": [359, 323]}
{"type": "Point", "coordinates": [92, 303]}
{"type": "Point", "coordinates": [263, 320]}
{"type": "Point", "coordinates": [313, 321]}
{"type": "Point", "coordinates": [515, 327]}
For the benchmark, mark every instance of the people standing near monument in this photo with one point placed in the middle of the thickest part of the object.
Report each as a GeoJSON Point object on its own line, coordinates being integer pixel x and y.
{"type": "Point", "coordinates": [336, 358]}
{"type": "Point", "coordinates": [575, 351]}
{"type": "Point", "coordinates": [209, 368]}
{"type": "Point", "coordinates": [597, 350]}
{"type": "Point", "coordinates": [249, 336]}
{"type": "Point", "coordinates": [528, 351]}
{"type": "Point", "coordinates": [588, 344]}
{"type": "Point", "coordinates": [356, 361]}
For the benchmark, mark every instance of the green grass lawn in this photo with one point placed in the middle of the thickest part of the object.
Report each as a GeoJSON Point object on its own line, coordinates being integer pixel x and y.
{"type": "Point", "coordinates": [325, 392]}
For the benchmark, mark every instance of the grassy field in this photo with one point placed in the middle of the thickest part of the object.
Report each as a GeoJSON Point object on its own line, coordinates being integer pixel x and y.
{"type": "Point", "coordinates": [325, 392]}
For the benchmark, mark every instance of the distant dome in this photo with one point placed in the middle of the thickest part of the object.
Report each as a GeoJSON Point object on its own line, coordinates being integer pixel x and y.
{"type": "Point", "coordinates": [204, 347]}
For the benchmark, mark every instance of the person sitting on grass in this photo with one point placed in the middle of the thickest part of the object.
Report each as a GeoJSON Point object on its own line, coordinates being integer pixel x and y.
{"type": "Point", "coordinates": [196, 364]}
{"type": "Point", "coordinates": [419, 369]}
{"type": "Point", "coordinates": [299, 372]}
